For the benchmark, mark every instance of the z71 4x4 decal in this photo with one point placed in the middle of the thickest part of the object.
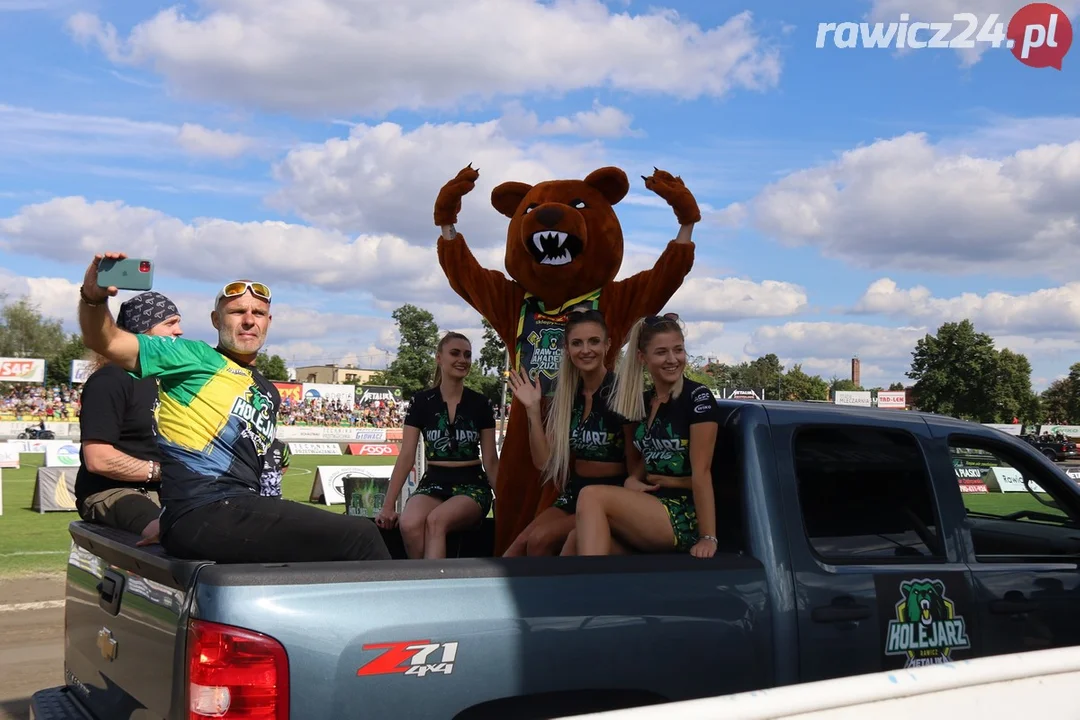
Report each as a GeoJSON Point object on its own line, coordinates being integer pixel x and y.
{"type": "Point", "coordinates": [411, 657]}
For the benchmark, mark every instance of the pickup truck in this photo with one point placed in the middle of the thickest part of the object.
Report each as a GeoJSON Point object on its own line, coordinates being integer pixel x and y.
{"type": "Point", "coordinates": [847, 547]}
{"type": "Point", "coordinates": [1057, 450]}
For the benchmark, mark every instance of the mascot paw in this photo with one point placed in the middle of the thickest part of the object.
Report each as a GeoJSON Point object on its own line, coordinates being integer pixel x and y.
{"type": "Point", "coordinates": [674, 192]}
{"type": "Point", "coordinates": [448, 204]}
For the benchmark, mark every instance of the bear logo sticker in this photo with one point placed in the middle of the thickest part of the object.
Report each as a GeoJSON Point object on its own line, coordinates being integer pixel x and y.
{"type": "Point", "coordinates": [926, 628]}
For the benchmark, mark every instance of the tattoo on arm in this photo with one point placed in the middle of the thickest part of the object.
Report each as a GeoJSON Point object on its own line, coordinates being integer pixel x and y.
{"type": "Point", "coordinates": [126, 468]}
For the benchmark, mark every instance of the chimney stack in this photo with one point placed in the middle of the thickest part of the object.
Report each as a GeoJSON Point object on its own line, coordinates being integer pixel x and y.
{"type": "Point", "coordinates": [856, 375]}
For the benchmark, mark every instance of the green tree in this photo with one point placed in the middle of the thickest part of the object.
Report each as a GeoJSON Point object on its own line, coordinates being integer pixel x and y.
{"type": "Point", "coordinates": [1013, 393]}
{"type": "Point", "coordinates": [1056, 402]}
{"type": "Point", "coordinates": [695, 370]}
{"type": "Point", "coordinates": [490, 386]}
{"type": "Point", "coordinates": [796, 385]}
{"type": "Point", "coordinates": [25, 332]}
{"type": "Point", "coordinates": [414, 365]}
{"type": "Point", "coordinates": [838, 384]}
{"type": "Point", "coordinates": [897, 386]}
{"type": "Point", "coordinates": [272, 367]}
{"type": "Point", "coordinates": [493, 353]}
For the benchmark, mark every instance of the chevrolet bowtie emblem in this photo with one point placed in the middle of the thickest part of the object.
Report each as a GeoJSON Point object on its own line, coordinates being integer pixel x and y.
{"type": "Point", "coordinates": [106, 644]}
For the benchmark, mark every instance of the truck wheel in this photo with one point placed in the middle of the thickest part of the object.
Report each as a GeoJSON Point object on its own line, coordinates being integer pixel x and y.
{"type": "Point", "coordinates": [1051, 455]}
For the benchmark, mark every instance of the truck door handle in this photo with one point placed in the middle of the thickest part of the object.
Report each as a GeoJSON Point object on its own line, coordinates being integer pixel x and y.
{"type": "Point", "coordinates": [110, 591]}
{"type": "Point", "coordinates": [841, 610]}
{"type": "Point", "coordinates": [1011, 607]}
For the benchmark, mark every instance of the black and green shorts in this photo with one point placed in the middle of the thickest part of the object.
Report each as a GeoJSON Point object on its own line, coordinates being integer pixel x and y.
{"type": "Point", "coordinates": [680, 508]}
{"type": "Point", "coordinates": [567, 502]}
{"type": "Point", "coordinates": [447, 482]}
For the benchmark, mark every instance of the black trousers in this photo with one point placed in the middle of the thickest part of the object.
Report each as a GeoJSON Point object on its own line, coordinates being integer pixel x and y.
{"type": "Point", "coordinates": [257, 529]}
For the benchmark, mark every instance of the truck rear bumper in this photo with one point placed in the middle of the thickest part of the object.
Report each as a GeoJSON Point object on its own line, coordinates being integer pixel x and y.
{"type": "Point", "coordinates": [56, 704]}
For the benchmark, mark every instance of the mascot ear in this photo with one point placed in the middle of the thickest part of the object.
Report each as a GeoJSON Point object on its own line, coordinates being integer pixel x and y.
{"type": "Point", "coordinates": [611, 182]}
{"type": "Point", "coordinates": [506, 197]}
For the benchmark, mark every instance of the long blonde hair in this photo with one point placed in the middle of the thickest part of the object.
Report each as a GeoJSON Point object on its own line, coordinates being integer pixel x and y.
{"type": "Point", "coordinates": [436, 380]}
{"type": "Point", "coordinates": [557, 425]}
{"type": "Point", "coordinates": [628, 392]}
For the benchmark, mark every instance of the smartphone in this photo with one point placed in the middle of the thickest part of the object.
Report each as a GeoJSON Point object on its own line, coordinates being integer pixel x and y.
{"type": "Point", "coordinates": [126, 274]}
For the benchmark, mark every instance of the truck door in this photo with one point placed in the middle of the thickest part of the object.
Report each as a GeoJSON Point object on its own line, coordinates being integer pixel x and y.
{"type": "Point", "coordinates": [877, 584]}
{"type": "Point", "coordinates": [1022, 532]}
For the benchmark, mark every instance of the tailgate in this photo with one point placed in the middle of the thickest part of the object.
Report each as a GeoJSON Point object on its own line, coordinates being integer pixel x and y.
{"type": "Point", "coordinates": [124, 605]}
{"type": "Point", "coordinates": [429, 639]}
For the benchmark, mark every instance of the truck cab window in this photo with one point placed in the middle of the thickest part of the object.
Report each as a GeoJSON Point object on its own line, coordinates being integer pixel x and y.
{"type": "Point", "coordinates": [1016, 509]}
{"type": "Point", "coordinates": [865, 495]}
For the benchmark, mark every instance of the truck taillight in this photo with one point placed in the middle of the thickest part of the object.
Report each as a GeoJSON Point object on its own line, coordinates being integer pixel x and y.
{"type": "Point", "coordinates": [235, 674]}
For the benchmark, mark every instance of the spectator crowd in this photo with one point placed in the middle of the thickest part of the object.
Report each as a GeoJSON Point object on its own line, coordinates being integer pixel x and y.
{"type": "Point", "coordinates": [376, 413]}
{"type": "Point", "coordinates": [59, 403]}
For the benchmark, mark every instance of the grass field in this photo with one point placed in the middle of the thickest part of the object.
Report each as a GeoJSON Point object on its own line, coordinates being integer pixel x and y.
{"type": "Point", "coordinates": [34, 543]}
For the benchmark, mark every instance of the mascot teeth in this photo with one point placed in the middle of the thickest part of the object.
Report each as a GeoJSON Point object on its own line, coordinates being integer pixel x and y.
{"type": "Point", "coordinates": [560, 259]}
{"type": "Point", "coordinates": [550, 237]}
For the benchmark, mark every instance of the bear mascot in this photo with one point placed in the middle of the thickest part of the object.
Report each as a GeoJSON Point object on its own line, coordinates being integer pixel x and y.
{"type": "Point", "coordinates": [564, 248]}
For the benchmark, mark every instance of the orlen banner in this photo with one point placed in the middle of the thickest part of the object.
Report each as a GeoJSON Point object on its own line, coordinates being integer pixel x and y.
{"type": "Point", "coordinates": [374, 449]}
{"type": "Point", "coordinates": [853, 397]}
{"type": "Point", "coordinates": [892, 399]}
{"type": "Point", "coordinates": [22, 370]}
{"type": "Point", "coordinates": [290, 392]}
{"type": "Point", "coordinates": [80, 370]}
{"type": "Point", "coordinates": [345, 394]}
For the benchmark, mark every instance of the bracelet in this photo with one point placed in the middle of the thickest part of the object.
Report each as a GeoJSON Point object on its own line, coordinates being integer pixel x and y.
{"type": "Point", "coordinates": [152, 470]}
{"type": "Point", "coordinates": [709, 537]}
{"type": "Point", "coordinates": [86, 300]}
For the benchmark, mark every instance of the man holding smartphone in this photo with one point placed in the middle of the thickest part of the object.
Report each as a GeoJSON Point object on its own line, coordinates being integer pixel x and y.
{"type": "Point", "coordinates": [216, 422]}
{"type": "Point", "coordinates": [119, 462]}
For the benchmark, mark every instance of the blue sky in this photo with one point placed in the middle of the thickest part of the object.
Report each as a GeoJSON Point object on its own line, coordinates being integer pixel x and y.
{"type": "Point", "coordinates": [854, 199]}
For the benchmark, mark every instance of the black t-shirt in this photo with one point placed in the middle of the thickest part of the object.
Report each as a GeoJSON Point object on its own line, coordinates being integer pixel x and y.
{"type": "Point", "coordinates": [119, 410]}
{"type": "Point", "coordinates": [274, 464]}
{"type": "Point", "coordinates": [443, 441]}
{"type": "Point", "coordinates": [599, 437]}
{"type": "Point", "coordinates": [665, 444]}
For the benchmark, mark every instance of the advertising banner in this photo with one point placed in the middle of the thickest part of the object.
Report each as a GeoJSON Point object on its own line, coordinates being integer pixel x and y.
{"type": "Point", "coordinates": [1009, 429]}
{"type": "Point", "coordinates": [9, 455]}
{"type": "Point", "coordinates": [303, 448]}
{"type": "Point", "coordinates": [344, 394]}
{"type": "Point", "coordinates": [892, 399]}
{"type": "Point", "coordinates": [1003, 479]}
{"type": "Point", "coordinates": [290, 392]}
{"type": "Point", "coordinates": [22, 370]}
{"type": "Point", "coordinates": [375, 449]}
{"type": "Point", "coordinates": [1074, 473]}
{"type": "Point", "coordinates": [394, 434]}
{"type": "Point", "coordinates": [54, 490]}
{"type": "Point", "coordinates": [80, 370]}
{"type": "Point", "coordinates": [1069, 431]}
{"type": "Point", "coordinates": [971, 479]}
{"type": "Point", "coordinates": [370, 393]}
{"type": "Point", "coordinates": [291, 433]}
{"type": "Point", "coordinates": [62, 454]}
{"type": "Point", "coordinates": [860, 398]}
{"type": "Point", "coordinates": [328, 487]}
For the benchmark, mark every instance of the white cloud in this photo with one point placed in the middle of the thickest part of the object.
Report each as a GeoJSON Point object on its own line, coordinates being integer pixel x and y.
{"type": "Point", "coordinates": [727, 299]}
{"type": "Point", "coordinates": [31, 132]}
{"type": "Point", "coordinates": [384, 178]}
{"type": "Point", "coordinates": [944, 10]}
{"type": "Point", "coordinates": [199, 140]}
{"type": "Point", "coordinates": [1049, 311]}
{"type": "Point", "coordinates": [316, 56]}
{"type": "Point", "coordinates": [600, 122]}
{"type": "Point", "coordinates": [902, 203]}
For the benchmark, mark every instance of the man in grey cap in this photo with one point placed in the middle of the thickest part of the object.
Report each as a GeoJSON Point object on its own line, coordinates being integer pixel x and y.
{"type": "Point", "coordinates": [119, 458]}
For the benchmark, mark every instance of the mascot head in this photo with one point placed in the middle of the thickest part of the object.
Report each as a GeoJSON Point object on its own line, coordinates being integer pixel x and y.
{"type": "Point", "coordinates": [564, 238]}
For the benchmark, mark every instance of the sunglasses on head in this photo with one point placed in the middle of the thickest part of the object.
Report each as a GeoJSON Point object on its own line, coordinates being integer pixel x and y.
{"type": "Point", "coordinates": [238, 288]}
{"type": "Point", "coordinates": [586, 312]}
{"type": "Point", "coordinates": [661, 319]}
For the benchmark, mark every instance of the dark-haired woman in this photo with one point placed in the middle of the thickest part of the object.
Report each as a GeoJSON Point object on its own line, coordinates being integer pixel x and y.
{"type": "Point", "coordinates": [457, 424]}
{"type": "Point", "coordinates": [582, 442]}
{"type": "Point", "coordinates": [670, 507]}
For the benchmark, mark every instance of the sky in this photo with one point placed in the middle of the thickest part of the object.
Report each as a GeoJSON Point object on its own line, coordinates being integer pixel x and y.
{"type": "Point", "coordinates": [853, 199]}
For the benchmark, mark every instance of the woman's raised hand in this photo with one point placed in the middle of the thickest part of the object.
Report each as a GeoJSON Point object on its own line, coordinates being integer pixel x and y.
{"type": "Point", "coordinates": [527, 392]}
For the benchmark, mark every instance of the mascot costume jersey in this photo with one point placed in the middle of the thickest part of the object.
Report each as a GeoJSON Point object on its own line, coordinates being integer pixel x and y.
{"type": "Point", "coordinates": [564, 248]}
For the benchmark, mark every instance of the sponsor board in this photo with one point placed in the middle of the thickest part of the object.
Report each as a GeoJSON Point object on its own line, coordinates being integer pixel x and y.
{"type": "Point", "coordinates": [54, 490]}
{"type": "Point", "coordinates": [328, 486]}
{"type": "Point", "coordinates": [858, 398]}
{"type": "Point", "coordinates": [80, 370]}
{"type": "Point", "coordinates": [344, 394]}
{"type": "Point", "coordinates": [305, 448]}
{"type": "Point", "coordinates": [22, 370]}
{"type": "Point", "coordinates": [970, 479]}
{"type": "Point", "coordinates": [1069, 431]}
{"type": "Point", "coordinates": [1006, 479]}
{"type": "Point", "coordinates": [924, 620]}
{"type": "Point", "coordinates": [371, 393]}
{"type": "Point", "coordinates": [290, 392]}
{"type": "Point", "coordinates": [1013, 429]}
{"type": "Point", "coordinates": [892, 399]}
{"type": "Point", "coordinates": [295, 433]}
{"type": "Point", "coordinates": [394, 434]}
{"type": "Point", "coordinates": [376, 449]}
{"type": "Point", "coordinates": [9, 455]}
{"type": "Point", "coordinates": [62, 455]}
{"type": "Point", "coordinates": [13, 428]}
{"type": "Point", "coordinates": [1073, 473]}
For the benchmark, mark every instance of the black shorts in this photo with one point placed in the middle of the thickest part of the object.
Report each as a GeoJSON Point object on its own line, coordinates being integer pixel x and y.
{"type": "Point", "coordinates": [446, 482]}
{"type": "Point", "coordinates": [567, 502]}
